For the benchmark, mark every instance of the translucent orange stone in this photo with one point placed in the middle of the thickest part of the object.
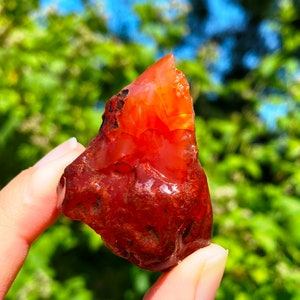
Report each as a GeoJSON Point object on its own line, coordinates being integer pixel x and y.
{"type": "Point", "coordinates": [139, 183]}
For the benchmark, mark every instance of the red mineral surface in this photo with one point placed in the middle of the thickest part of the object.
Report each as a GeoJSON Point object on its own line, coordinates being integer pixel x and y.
{"type": "Point", "coordinates": [139, 183]}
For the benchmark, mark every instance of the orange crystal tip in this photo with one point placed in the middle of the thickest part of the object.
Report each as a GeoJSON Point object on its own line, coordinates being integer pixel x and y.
{"type": "Point", "coordinates": [158, 99]}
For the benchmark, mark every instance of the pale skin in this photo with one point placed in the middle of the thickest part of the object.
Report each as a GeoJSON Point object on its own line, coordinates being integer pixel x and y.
{"type": "Point", "coordinates": [31, 202]}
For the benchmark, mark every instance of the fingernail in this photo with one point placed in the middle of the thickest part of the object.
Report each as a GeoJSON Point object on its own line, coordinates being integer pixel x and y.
{"type": "Point", "coordinates": [211, 276]}
{"type": "Point", "coordinates": [60, 191]}
{"type": "Point", "coordinates": [57, 152]}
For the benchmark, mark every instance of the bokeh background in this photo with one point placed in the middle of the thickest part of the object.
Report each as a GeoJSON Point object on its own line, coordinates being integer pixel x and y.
{"type": "Point", "coordinates": [60, 61]}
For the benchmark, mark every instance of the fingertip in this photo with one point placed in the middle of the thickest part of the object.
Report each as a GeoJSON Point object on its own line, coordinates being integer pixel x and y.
{"type": "Point", "coordinates": [212, 272]}
{"type": "Point", "coordinates": [61, 150]}
{"type": "Point", "coordinates": [198, 276]}
{"type": "Point", "coordinates": [30, 202]}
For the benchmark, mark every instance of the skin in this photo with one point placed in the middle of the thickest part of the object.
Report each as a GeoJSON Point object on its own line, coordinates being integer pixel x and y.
{"type": "Point", "coordinates": [31, 202]}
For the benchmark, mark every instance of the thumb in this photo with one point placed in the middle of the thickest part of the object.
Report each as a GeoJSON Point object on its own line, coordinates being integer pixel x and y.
{"type": "Point", "coordinates": [30, 202]}
{"type": "Point", "coordinates": [198, 276]}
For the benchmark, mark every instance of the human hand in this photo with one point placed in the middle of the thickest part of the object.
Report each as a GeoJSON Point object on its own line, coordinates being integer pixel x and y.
{"type": "Point", "coordinates": [30, 203]}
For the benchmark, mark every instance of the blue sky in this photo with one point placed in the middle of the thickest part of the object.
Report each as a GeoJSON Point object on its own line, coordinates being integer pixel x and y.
{"type": "Point", "coordinates": [63, 5]}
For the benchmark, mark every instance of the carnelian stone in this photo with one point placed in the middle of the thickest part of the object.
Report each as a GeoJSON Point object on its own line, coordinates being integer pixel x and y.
{"type": "Point", "coordinates": [139, 183]}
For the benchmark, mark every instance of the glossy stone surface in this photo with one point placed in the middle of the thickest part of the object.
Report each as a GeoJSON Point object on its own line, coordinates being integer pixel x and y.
{"type": "Point", "coordinates": [139, 183]}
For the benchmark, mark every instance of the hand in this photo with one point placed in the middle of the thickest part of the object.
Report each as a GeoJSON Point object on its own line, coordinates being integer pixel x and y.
{"type": "Point", "coordinates": [30, 203]}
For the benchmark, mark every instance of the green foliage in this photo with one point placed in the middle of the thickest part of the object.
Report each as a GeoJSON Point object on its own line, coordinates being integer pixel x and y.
{"type": "Point", "coordinates": [56, 72]}
{"type": "Point", "coordinates": [254, 178]}
{"type": "Point", "coordinates": [163, 20]}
